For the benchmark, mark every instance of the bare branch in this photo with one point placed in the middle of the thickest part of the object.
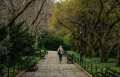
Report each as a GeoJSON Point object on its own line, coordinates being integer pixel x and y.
{"type": "Point", "coordinates": [9, 4]}
{"type": "Point", "coordinates": [64, 25]}
{"type": "Point", "coordinates": [110, 28]}
{"type": "Point", "coordinates": [39, 12]}
{"type": "Point", "coordinates": [118, 1]}
{"type": "Point", "coordinates": [20, 12]}
{"type": "Point", "coordinates": [112, 8]}
{"type": "Point", "coordinates": [100, 12]}
{"type": "Point", "coordinates": [114, 23]}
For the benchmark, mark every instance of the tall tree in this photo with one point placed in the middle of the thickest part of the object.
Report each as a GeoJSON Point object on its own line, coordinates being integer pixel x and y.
{"type": "Point", "coordinates": [91, 21]}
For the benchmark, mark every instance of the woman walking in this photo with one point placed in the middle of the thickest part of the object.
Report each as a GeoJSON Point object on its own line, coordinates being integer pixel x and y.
{"type": "Point", "coordinates": [60, 53]}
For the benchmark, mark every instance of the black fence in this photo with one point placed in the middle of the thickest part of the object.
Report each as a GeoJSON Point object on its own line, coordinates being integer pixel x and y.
{"type": "Point", "coordinates": [11, 70]}
{"type": "Point", "coordinates": [93, 69]}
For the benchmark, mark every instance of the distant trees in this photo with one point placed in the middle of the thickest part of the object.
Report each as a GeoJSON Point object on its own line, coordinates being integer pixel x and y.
{"type": "Point", "coordinates": [51, 41]}
{"type": "Point", "coordinates": [94, 24]}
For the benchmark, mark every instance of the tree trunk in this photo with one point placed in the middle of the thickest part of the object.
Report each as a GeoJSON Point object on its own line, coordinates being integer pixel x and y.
{"type": "Point", "coordinates": [103, 51]}
{"type": "Point", "coordinates": [36, 42]}
{"type": "Point", "coordinates": [104, 55]}
{"type": "Point", "coordinates": [118, 58]}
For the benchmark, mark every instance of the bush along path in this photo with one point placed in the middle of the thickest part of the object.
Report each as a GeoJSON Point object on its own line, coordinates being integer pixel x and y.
{"type": "Point", "coordinates": [28, 65]}
{"type": "Point", "coordinates": [50, 67]}
{"type": "Point", "coordinates": [17, 52]}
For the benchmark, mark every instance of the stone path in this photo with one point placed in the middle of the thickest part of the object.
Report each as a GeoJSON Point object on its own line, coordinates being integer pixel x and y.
{"type": "Point", "coordinates": [50, 67]}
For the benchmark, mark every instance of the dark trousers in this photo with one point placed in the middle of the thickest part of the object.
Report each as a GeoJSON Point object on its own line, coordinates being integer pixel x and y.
{"type": "Point", "coordinates": [60, 58]}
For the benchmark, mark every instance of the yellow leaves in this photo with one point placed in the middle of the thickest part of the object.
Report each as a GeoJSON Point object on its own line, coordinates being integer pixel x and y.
{"type": "Point", "coordinates": [65, 11]}
{"type": "Point", "coordinates": [52, 21]}
{"type": "Point", "coordinates": [71, 7]}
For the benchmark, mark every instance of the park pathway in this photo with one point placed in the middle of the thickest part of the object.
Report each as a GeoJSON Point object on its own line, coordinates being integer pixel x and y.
{"type": "Point", "coordinates": [50, 67]}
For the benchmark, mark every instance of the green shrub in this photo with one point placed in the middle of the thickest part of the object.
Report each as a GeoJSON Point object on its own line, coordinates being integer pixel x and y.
{"type": "Point", "coordinates": [95, 62]}
{"type": "Point", "coordinates": [17, 44]}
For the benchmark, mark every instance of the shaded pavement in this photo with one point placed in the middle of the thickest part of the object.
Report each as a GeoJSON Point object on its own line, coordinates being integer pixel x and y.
{"type": "Point", "coordinates": [50, 67]}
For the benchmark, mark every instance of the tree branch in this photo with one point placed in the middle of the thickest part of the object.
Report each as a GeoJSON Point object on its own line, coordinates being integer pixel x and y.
{"type": "Point", "coordinates": [110, 28]}
{"type": "Point", "coordinates": [20, 12]}
{"type": "Point", "coordinates": [112, 8]}
{"type": "Point", "coordinates": [64, 25]}
{"type": "Point", "coordinates": [39, 12]}
{"type": "Point", "coordinates": [100, 12]}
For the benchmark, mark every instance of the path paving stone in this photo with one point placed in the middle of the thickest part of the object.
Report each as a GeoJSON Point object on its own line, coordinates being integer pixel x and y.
{"type": "Point", "coordinates": [50, 67]}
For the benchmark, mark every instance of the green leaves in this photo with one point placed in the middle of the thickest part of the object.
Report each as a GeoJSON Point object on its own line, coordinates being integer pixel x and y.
{"type": "Point", "coordinates": [16, 45]}
{"type": "Point", "coordinates": [3, 32]}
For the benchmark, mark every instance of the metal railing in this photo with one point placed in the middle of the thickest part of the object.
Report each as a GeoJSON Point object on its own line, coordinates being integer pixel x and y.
{"type": "Point", "coordinates": [91, 68]}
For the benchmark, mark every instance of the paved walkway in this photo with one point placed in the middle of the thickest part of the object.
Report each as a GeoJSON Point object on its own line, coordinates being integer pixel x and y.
{"type": "Point", "coordinates": [50, 67]}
